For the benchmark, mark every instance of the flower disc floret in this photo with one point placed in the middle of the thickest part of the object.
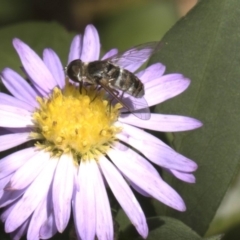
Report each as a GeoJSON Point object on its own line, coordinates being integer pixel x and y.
{"type": "Point", "coordinates": [80, 123]}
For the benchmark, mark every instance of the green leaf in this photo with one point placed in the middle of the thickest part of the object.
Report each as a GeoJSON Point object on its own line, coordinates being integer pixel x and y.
{"type": "Point", "coordinates": [15, 11]}
{"type": "Point", "coordinates": [164, 228]}
{"type": "Point", "coordinates": [38, 35]}
{"type": "Point", "coordinates": [233, 233]}
{"type": "Point", "coordinates": [218, 237]}
{"type": "Point", "coordinates": [137, 24]}
{"type": "Point", "coordinates": [204, 46]}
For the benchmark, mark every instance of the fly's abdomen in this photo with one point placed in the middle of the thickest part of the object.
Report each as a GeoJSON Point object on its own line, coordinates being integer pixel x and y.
{"type": "Point", "coordinates": [129, 83]}
{"type": "Point", "coordinates": [137, 87]}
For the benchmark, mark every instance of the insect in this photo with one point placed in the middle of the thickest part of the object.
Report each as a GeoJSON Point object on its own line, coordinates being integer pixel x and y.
{"type": "Point", "coordinates": [113, 75]}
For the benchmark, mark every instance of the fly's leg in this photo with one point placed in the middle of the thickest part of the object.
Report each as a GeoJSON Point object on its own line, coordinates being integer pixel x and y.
{"type": "Point", "coordinates": [111, 100]}
{"type": "Point", "coordinates": [121, 97]}
{"type": "Point", "coordinates": [96, 89]}
{"type": "Point", "coordinates": [80, 87]}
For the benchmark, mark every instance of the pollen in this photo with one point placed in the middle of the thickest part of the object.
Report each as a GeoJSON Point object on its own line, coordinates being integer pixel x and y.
{"type": "Point", "coordinates": [82, 124]}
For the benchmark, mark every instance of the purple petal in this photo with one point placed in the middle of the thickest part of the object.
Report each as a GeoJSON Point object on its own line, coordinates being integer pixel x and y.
{"type": "Point", "coordinates": [91, 44]}
{"type": "Point", "coordinates": [34, 194]}
{"type": "Point", "coordinates": [62, 191]}
{"type": "Point", "coordinates": [119, 146]}
{"type": "Point", "coordinates": [34, 66]}
{"type": "Point", "coordinates": [75, 48]}
{"type": "Point", "coordinates": [142, 173]}
{"type": "Point", "coordinates": [39, 216]}
{"type": "Point", "coordinates": [49, 228]}
{"type": "Point", "coordinates": [152, 72]}
{"type": "Point", "coordinates": [54, 65]}
{"type": "Point", "coordinates": [159, 153]}
{"type": "Point", "coordinates": [134, 131]}
{"type": "Point", "coordinates": [6, 211]}
{"type": "Point", "coordinates": [104, 222]}
{"type": "Point", "coordinates": [19, 232]}
{"type": "Point", "coordinates": [164, 88]}
{"type": "Point", "coordinates": [18, 87]}
{"type": "Point", "coordinates": [164, 122]}
{"type": "Point", "coordinates": [14, 117]}
{"type": "Point", "coordinates": [8, 197]}
{"type": "Point", "coordinates": [6, 99]}
{"type": "Point", "coordinates": [124, 196]}
{"type": "Point", "coordinates": [12, 140]}
{"type": "Point", "coordinates": [4, 181]}
{"type": "Point", "coordinates": [12, 162]}
{"type": "Point", "coordinates": [138, 189]}
{"type": "Point", "coordinates": [76, 182]}
{"type": "Point", "coordinates": [39, 91]}
{"type": "Point", "coordinates": [84, 203]}
{"type": "Point", "coordinates": [186, 177]}
{"type": "Point", "coordinates": [110, 53]}
{"type": "Point", "coordinates": [25, 175]}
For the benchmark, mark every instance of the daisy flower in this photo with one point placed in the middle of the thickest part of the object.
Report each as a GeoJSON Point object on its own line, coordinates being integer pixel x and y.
{"type": "Point", "coordinates": [76, 147]}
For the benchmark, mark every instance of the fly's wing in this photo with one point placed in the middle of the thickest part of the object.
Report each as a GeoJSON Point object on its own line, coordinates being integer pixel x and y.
{"type": "Point", "coordinates": [136, 106]}
{"type": "Point", "coordinates": [134, 58]}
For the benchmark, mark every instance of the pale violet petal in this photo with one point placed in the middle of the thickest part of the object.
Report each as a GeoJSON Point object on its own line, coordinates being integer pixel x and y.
{"type": "Point", "coordinates": [20, 231]}
{"type": "Point", "coordinates": [163, 122]}
{"type": "Point", "coordinates": [54, 65]}
{"type": "Point", "coordinates": [84, 209]}
{"type": "Point", "coordinates": [152, 72]}
{"type": "Point", "coordinates": [63, 191]}
{"type": "Point", "coordinates": [6, 211]}
{"type": "Point", "coordinates": [34, 66]}
{"type": "Point", "coordinates": [104, 221]}
{"type": "Point", "coordinates": [39, 216]}
{"type": "Point", "coordinates": [9, 197]}
{"type": "Point", "coordinates": [186, 177]}
{"type": "Point", "coordinates": [119, 146]}
{"type": "Point", "coordinates": [75, 48]}
{"type": "Point", "coordinates": [138, 188]}
{"type": "Point", "coordinates": [110, 53]}
{"type": "Point", "coordinates": [6, 99]}
{"type": "Point", "coordinates": [4, 181]}
{"type": "Point", "coordinates": [12, 162]}
{"type": "Point", "coordinates": [164, 88]}
{"type": "Point", "coordinates": [124, 196]}
{"type": "Point", "coordinates": [39, 91]}
{"type": "Point", "coordinates": [160, 154]}
{"type": "Point", "coordinates": [49, 228]}
{"type": "Point", "coordinates": [12, 140]}
{"type": "Point", "coordinates": [76, 182]}
{"type": "Point", "coordinates": [18, 86]}
{"type": "Point", "coordinates": [91, 44]}
{"type": "Point", "coordinates": [26, 174]}
{"type": "Point", "coordinates": [135, 131]}
{"type": "Point", "coordinates": [34, 194]}
{"type": "Point", "coordinates": [14, 117]}
{"type": "Point", "coordinates": [140, 171]}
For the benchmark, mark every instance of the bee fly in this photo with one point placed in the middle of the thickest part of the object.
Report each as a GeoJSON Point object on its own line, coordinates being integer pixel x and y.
{"type": "Point", "coordinates": [113, 75]}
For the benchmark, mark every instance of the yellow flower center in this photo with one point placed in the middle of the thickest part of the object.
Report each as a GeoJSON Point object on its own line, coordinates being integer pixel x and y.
{"type": "Point", "coordinates": [79, 123]}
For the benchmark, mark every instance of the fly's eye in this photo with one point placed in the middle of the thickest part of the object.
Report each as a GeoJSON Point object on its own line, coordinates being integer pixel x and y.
{"type": "Point", "coordinates": [73, 70]}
